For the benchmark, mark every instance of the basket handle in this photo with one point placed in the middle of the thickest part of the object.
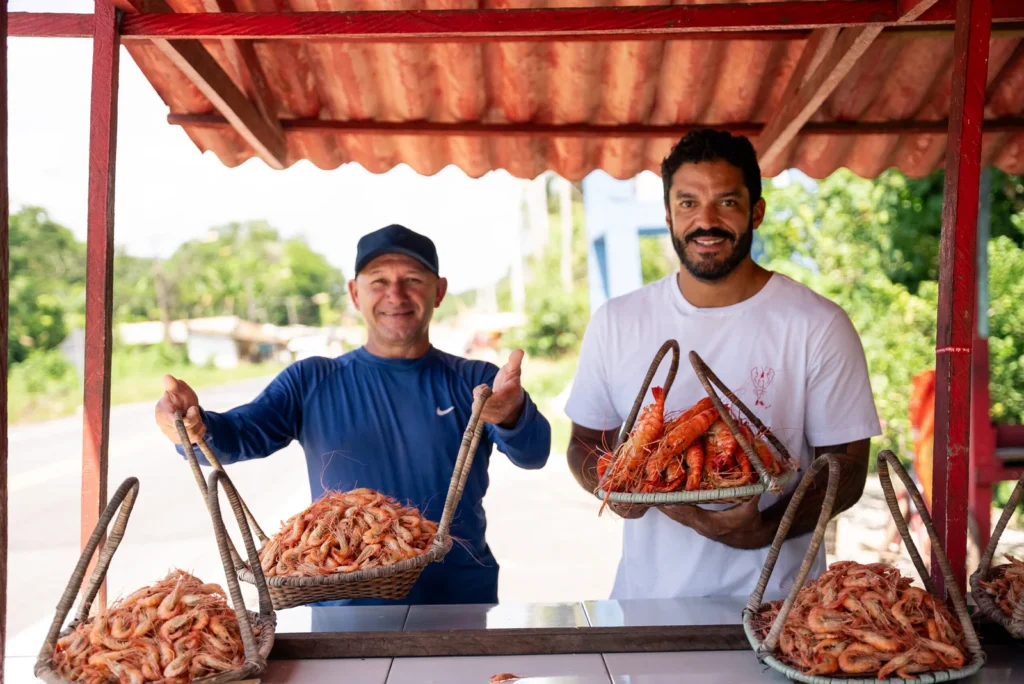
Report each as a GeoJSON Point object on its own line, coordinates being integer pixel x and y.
{"type": "Point", "coordinates": [887, 459]}
{"type": "Point", "coordinates": [707, 377]}
{"type": "Point", "coordinates": [646, 384]}
{"type": "Point", "coordinates": [197, 473]}
{"type": "Point", "coordinates": [827, 507]}
{"type": "Point", "coordinates": [253, 659]}
{"type": "Point", "coordinates": [122, 503]}
{"type": "Point", "coordinates": [985, 564]}
{"type": "Point", "coordinates": [467, 452]}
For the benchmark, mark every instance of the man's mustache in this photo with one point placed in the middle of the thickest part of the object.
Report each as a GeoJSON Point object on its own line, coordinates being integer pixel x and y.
{"type": "Point", "coordinates": [709, 233]}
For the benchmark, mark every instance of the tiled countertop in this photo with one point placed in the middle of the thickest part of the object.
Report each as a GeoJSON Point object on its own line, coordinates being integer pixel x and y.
{"type": "Point", "coordinates": [1005, 665]}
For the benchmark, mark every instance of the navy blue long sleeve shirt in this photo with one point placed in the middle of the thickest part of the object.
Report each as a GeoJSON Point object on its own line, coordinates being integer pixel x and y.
{"type": "Point", "coordinates": [393, 425]}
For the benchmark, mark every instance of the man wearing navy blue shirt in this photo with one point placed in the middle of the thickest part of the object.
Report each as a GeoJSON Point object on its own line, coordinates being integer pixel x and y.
{"type": "Point", "coordinates": [389, 416]}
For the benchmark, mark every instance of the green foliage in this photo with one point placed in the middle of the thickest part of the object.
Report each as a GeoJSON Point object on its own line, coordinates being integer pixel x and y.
{"type": "Point", "coordinates": [657, 259]}
{"type": "Point", "coordinates": [872, 247]}
{"type": "Point", "coordinates": [555, 318]}
{"type": "Point", "coordinates": [1006, 329]}
{"type": "Point", "coordinates": [246, 269]}
{"type": "Point", "coordinates": [47, 283]}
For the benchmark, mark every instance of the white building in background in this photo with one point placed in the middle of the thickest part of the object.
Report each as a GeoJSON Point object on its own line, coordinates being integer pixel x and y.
{"type": "Point", "coordinates": [227, 341]}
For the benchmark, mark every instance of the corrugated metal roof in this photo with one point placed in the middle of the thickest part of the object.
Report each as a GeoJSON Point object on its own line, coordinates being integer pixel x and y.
{"type": "Point", "coordinates": [680, 82]}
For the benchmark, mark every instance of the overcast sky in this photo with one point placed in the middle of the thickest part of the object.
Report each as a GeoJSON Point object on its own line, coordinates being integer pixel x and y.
{"type": "Point", "coordinates": [167, 192]}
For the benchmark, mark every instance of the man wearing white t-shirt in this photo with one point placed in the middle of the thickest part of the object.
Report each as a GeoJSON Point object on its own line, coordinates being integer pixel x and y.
{"type": "Point", "coordinates": [791, 355]}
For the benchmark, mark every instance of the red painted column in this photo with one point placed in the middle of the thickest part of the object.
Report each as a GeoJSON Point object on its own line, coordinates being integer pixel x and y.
{"type": "Point", "coordinates": [957, 267]}
{"type": "Point", "coordinates": [99, 286]}
{"type": "Point", "coordinates": [4, 292]}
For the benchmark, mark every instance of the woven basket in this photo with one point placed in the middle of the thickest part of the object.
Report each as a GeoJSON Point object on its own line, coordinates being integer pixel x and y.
{"type": "Point", "coordinates": [256, 649]}
{"type": "Point", "coordinates": [766, 481]}
{"type": "Point", "coordinates": [765, 650]}
{"type": "Point", "coordinates": [386, 582]}
{"type": "Point", "coordinates": [1014, 624]}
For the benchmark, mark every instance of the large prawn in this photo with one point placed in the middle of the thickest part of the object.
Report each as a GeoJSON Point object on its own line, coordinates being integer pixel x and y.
{"type": "Point", "coordinates": [676, 440]}
{"type": "Point", "coordinates": [628, 459]}
{"type": "Point", "coordinates": [721, 445]}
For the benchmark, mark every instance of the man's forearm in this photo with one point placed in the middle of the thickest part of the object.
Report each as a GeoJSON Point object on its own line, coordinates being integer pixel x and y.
{"type": "Point", "coordinates": [742, 527]}
{"type": "Point", "coordinates": [583, 464]}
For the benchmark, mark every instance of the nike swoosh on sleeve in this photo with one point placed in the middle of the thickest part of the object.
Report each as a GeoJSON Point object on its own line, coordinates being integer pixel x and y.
{"type": "Point", "coordinates": [446, 411]}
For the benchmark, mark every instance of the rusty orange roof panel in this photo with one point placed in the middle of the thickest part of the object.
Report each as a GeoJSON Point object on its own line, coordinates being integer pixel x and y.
{"type": "Point", "coordinates": [905, 76]}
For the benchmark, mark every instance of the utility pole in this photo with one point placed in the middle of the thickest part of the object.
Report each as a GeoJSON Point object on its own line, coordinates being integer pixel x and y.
{"type": "Point", "coordinates": [566, 212]}
{"type": "Point", "coordinates": [162, 299]}
{"type": "Point", "coordinates": [517, 278]}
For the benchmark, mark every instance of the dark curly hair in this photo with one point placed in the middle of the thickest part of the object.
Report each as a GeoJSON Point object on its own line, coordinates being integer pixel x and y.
{"type": "Point", "coordinates": [707, 144]}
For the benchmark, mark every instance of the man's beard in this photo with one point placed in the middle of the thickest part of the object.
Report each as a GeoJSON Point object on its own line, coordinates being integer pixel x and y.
{"type": "Point", "coordinates": [708, 270]}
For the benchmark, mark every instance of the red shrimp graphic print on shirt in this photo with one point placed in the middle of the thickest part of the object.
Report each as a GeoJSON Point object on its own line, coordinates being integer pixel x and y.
{"type": "Point", "coordinates": [761, 379]}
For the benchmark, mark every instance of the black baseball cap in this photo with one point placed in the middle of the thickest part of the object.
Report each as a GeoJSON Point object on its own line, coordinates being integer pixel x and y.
{"type": "Point", "coordinates": [396, 239]}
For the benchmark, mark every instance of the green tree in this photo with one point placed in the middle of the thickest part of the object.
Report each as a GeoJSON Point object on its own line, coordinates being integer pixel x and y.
{"type": "Point", "coordinates": [47, 283]}
{"type": "Point", "coordinates": [246, 269]}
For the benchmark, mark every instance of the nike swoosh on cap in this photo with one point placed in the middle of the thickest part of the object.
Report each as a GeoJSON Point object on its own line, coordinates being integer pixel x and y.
{"type": "Point", "coordinates": [446, 411]}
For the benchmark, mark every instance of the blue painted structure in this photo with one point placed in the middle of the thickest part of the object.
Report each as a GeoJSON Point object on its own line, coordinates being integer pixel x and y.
{"type": "Point", "coordinates": [615, 218]}
{"type": "Point", "coordinates": [617, 214]}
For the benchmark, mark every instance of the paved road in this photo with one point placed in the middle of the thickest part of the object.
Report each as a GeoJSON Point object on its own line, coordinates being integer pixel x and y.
{"type": "Point", "coordinates": [542, 527]}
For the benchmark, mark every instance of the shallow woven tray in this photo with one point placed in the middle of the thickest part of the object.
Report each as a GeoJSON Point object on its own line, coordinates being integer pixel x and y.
{"type": "Point", "coordinates": [386, 582]}
{"type": "Point", "coordinates": [765, 650]}
{"type": "Point", "coordinates": [1014, 624]}
{"type": "Point", "coordinates": [766, 481]}
{"type": "Point", "coordinates": [256, 649]}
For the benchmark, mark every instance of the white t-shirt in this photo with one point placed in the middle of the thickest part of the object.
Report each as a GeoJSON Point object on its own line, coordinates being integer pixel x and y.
{"type": "Point", "coordinates": [792, 356]}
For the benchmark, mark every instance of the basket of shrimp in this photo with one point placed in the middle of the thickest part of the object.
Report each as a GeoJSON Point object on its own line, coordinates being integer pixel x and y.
{"type": "Point", "coordinates": [705, 453]}
{"type": "Point", "coordinates": [178, 630]}
{"type": "Point", "coordinates": [999, 590]}
{"type": "Point", "coordinates": [862, 623]}
{"type": "Point", "coordinates": [354, 544]}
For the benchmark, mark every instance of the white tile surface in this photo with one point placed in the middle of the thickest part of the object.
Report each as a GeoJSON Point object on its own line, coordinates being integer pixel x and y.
{"type": "Point", "coordinates": [305, 619]}
{"type": "Point", "coordinates": [503, 616]}
{"type": "Point", "coordinates": [341, 671]}
{"type": "Point", "coordinates": [698, 667]}
{"type": "Point", "coordinates": [552, 669]}
{"type": "Point", "coordinates": [661, 612]}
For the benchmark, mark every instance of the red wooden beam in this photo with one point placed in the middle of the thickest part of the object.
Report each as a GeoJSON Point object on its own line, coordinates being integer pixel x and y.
{"type": "Point", "coordinates": [957, 267]}
{"type": "Point", "coordinates": [99, 268]}
{"type": "Point", "coordinates": [584, 130]}
{"type": "Point", "coordinates": [605, 23]}
{"type": "Point", "coordinates": [253, 122]}
{"type": "Point", "coordinates": [49, 25]}
{"type": "Point", "coordinates": [944, 11]}
{"type": "Point", "coordinates": [938, 21]}
{"type": "Point", "coordinates": [829, 55]}
{"type": "Point", "coordinates": [4, 306]}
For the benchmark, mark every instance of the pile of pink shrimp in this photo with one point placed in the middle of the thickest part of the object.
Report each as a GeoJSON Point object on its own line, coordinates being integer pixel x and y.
{"type": "Point", "coordinates": [174, 631]}
{"type": "Point", "coordinates": [345, 532]}
{"type": "Point", "coordinates": [865, 620]}
{"type": "Point", "coordinates": [1006, 586]}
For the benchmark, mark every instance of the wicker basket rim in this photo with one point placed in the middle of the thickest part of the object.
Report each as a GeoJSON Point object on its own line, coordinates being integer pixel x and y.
{"type": "Point", "coordinates": [437, 551]}
{"type": "Point", "coordinates": [988, 607]}
{"type": "Point", "coordinates": [697, 496]}
{"type": "Point", "coordinates": [268, 628]}
{"type": "Point", "coordinates": [973, 666]}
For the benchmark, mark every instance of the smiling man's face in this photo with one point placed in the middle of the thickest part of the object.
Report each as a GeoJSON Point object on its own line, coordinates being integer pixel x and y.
{"type": "Point", "coordinates": [710, 218]}
{"type": "Point", "coordinates": [397, 296]}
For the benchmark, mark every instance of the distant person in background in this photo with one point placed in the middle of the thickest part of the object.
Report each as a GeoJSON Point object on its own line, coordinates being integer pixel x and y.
{"type": "Point", "coordinates": [389, 416]}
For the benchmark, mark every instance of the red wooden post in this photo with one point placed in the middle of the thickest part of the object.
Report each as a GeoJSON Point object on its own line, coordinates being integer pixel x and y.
{"type": "Point", "coordinates": [4, 289]}
{"type": "Point", "coordinates": [957, 268]}
{"type": "Point", "coordinates": [99, 284]}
